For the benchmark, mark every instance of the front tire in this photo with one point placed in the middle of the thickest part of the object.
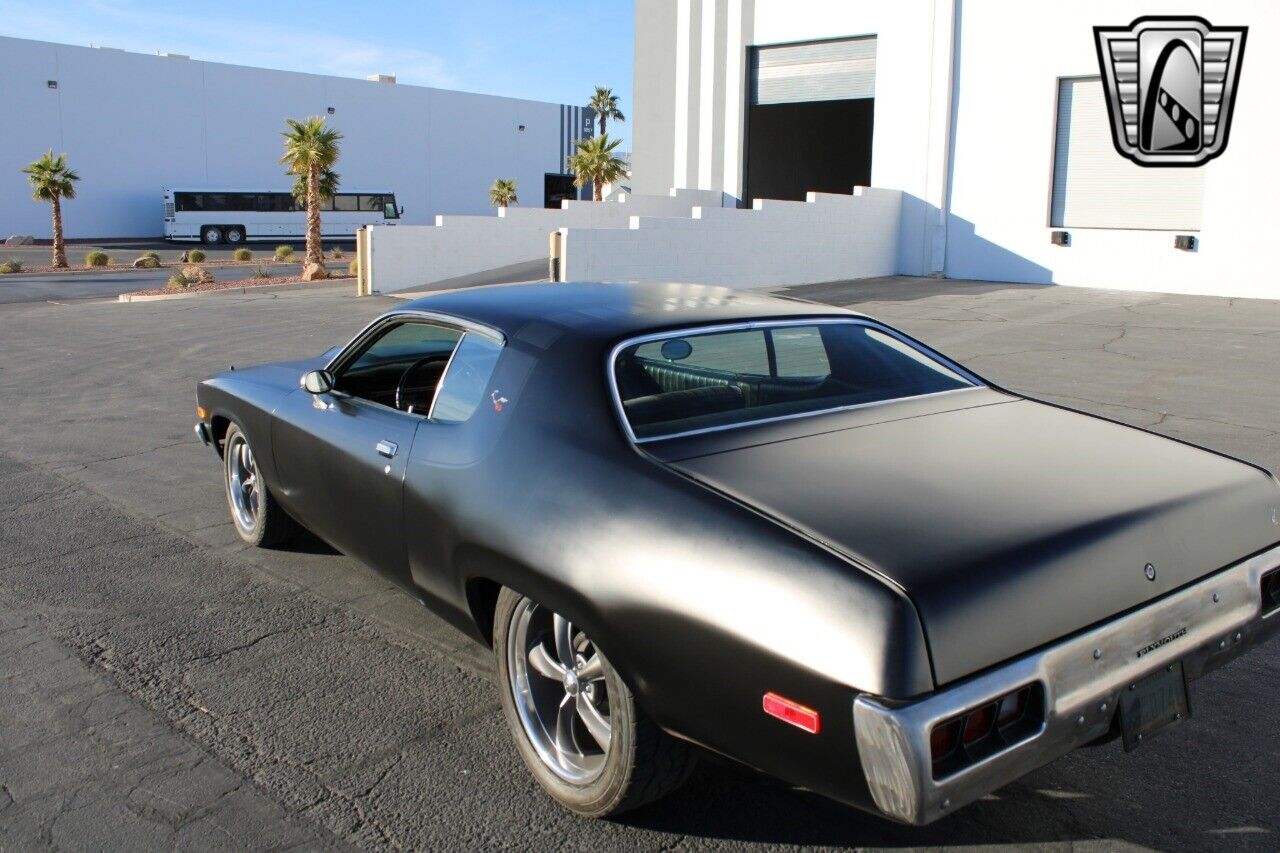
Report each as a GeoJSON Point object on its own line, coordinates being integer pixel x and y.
{"type": "Point", "coordinates": [258, 518]}
{"type": "Point", "coordinates": [575, 722]}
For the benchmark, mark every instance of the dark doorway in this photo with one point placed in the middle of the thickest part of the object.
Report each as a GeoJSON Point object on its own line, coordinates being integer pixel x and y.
{"type": "Point", "coordinates": [557, 188]}
{"type": "Point", "coordinates": [818, 146]}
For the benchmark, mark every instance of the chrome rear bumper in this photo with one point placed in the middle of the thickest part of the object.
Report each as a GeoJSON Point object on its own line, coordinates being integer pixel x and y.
{"type": "Point", "coordinates": [1203, 626]}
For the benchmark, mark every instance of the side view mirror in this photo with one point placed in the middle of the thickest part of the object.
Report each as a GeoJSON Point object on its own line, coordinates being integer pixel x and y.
{"type": "Point", "coordinates": [402, 210]}
{"type": "Point", "coordinates": [317, 381]}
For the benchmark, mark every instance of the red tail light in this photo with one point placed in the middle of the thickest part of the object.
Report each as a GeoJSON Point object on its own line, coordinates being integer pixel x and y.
{"type": "Point", "coordinates": [985, 730]}
{"type": "Point", "coordinates": [792, 712]}
{"type": "Point", "coordinates": [944, 739]}
{"type": "Point", "coordinates": [978, 724]}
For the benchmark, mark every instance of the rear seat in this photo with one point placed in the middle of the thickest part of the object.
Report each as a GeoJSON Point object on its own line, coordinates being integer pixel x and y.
{"type": "Point", "coordinates": [686, 403]}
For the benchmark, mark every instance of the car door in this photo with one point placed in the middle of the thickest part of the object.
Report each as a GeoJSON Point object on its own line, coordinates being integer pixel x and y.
{"type": "Point", "coordinates": [341, 458]}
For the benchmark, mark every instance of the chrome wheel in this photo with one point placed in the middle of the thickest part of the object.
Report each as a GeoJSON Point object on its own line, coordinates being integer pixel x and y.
{"type": "Point", "coordinates": [242, 482]}
{"type": "Point", "coordinates": [557, 678]}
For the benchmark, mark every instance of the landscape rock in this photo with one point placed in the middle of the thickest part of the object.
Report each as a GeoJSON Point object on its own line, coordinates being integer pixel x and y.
{"type": "Point", "coordinates": [314, 272]}
{"type": "Point", "coordinates": [146, 263]}
{"type": "Point", "coordinates": [19, 240]}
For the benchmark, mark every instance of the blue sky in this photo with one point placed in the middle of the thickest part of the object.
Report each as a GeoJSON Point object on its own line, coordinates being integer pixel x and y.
{"type": "Point", "coordinates": [524, 48]}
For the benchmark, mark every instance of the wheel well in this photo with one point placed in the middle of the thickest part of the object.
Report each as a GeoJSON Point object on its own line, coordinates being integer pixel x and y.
{"type": "Point", "coordinates": [482, 599]}
{"type": "Point", "coordinates": [219, 426]}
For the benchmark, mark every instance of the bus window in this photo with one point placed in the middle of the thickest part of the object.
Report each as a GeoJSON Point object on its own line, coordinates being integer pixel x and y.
{"type": "Point", "coordinates": [371, 202]}
{"type": "Point", "coordinates": [188, 201]}
{"type": "Point", "coordinates": [389, 209]}
{"type": "Point", "coordinates": [344, 201]}
{"type": "Point", "coordinates": [275, 203]}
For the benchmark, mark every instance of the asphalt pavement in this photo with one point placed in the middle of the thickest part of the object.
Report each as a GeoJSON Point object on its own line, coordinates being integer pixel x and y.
{"type": "Point", "coordinates": [164, 686]}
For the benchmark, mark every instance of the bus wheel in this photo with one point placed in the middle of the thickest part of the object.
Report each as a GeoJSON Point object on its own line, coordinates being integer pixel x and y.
{"type": "Point", "coordinates": [210, 234]}
{"type": "Point", "coordinates": [235, 234]}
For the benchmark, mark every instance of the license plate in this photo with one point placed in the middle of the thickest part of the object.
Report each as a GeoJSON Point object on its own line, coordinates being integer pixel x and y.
{"type": "Point", "coordinates": [1149, 705]}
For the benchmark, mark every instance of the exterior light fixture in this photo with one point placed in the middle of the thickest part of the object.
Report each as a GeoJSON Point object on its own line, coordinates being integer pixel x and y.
{"type": "Point", "coordinates": [52, 84]}
{"type": "Point", "coordinates": [1060, 238]}
{"type": "Point", "coordinates": [520, 128]}
{"type": "Point", "coordinates": [331, 111]}
{"type": "Point", "coordinates": [1186, 242]}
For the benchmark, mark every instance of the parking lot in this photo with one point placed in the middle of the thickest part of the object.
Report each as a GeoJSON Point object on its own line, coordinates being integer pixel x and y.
{"type": "Point", "coordinates": [165, 686]}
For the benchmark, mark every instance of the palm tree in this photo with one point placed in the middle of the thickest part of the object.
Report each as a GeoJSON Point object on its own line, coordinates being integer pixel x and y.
{"type": "Point", "coordinates": [329, 181]}
{"type": "Point", "coordinates": [594, 163]}
{"type": "Point", "coordinates": [51, 180]}
{"type": "Point", "coordinates": [605, 103]}
{"type": "Point", "coordinates": [503, 192]}
{"type": "Point", "coordinates": [310, 150]}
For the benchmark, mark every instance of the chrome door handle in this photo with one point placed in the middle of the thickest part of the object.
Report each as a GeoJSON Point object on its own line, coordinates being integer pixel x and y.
{"type": "Point", "coordinates": [387, 448]}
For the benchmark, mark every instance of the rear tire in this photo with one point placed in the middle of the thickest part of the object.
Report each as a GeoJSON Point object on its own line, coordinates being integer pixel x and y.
{"type": "Point", "coordinates": [210, 234]}
{"type": "Point", "coordinates": [258, 518]}
{"type": "Point", "coordinates": [235, 235]}
{"type": "Point", "coordinates": [640, 764]}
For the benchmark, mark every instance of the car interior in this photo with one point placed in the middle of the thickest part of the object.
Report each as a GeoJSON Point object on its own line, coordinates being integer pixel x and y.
{"type": "Point", "coordinates": [401, 368]}
{"type": "Point", "coordinates": [685, 384]}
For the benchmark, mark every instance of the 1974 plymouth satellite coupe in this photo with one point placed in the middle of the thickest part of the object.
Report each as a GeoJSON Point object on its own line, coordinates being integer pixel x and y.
{"type": "Point", "coordinates": [782, 532]}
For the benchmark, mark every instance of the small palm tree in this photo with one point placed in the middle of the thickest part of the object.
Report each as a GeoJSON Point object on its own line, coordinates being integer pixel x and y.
{"type": "Point", "coordinates": [51, 180]}
{"type": "Point", "coordinates": [310, 150]}
{"type": "Point", "coordinates": [329, 181]}
{"type": "Point", "coordinates": [594, 163]}
{"type": "Point", "coordinates": [605, 103]}
{"type": "Point", "coordinates": [503, 192]}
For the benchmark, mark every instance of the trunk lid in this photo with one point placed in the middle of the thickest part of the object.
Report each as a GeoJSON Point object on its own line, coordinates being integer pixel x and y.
{"type": "Point", "coordinates": [1009, 523]}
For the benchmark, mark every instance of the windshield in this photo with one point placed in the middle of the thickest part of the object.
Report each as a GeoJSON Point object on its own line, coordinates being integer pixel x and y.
{"type": "Point", "coordinates": [682, 383]}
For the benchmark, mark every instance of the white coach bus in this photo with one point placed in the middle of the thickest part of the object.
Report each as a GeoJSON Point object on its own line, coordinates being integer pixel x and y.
{"type": "Point", "coordinates": [236, 215]}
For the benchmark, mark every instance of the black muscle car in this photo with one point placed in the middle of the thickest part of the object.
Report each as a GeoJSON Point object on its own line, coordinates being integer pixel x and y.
{"type": "Point", "coordinates": [689, 519]}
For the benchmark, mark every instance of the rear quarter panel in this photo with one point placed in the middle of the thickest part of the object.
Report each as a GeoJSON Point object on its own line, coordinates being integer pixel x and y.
{"type": "Point", "coordinates": [701, 603]}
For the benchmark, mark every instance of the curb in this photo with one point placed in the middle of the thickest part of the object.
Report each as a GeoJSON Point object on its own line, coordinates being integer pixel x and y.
{"type": "Point", "coordinates": [239, 291]}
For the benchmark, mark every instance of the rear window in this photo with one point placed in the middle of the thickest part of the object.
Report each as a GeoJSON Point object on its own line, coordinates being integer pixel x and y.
{"type": "Point", "coordinates": [683, 383]}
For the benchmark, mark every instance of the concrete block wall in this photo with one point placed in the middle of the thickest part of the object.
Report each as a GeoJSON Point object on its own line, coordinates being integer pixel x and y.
{"type": "Point", "coordinates": [825, 238]}
{"type": "Point", "coordinates": [418, 256]}
{"type": "Point", "coordinates": [412, 256]}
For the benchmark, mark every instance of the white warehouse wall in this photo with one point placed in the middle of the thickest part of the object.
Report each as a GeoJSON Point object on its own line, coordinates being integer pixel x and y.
{"type": "Point", "coordinates": [964, 127]}
{"type": "Point", "coordinates": [689, 118]}
{"type": "Point", "coordinates": [132, 124]}
{"type": "Point", "coordinates": [1002, 169]}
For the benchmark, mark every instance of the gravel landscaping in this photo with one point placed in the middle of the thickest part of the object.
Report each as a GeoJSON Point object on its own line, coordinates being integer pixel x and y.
{"type": "Point", "coordinates": [236, 284]}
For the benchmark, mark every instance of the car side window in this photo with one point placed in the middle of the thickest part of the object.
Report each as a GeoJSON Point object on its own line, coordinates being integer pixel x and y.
{"type": "Point", "coordinates": [466, 380]}
{"type": "Point", "coordinates": [401, 367]}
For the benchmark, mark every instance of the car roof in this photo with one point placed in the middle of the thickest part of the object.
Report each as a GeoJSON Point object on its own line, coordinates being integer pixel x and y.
{"type": "Point", "coordinates": [610, 311]}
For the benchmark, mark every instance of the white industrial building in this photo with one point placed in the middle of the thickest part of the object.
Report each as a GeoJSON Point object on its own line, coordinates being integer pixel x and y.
{"type": "Point", "coordinates": [987, 117]}
{"type": "Point", "coordinates": [132, 124]}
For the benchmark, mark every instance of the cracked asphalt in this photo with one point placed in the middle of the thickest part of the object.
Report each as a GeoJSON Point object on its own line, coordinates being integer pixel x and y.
{"type": "Point", "coordinates": [161, 686]}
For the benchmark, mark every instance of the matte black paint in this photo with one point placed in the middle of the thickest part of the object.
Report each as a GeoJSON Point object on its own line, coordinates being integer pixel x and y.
{"type": "Point", "coordinates": [696, 563]}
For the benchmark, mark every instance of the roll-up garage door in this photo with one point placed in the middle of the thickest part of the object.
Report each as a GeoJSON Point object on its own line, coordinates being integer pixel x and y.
{"type": "Point", "coordinates": [838, 70]}
{"type": "Point", "coordinates": [1095, 187]}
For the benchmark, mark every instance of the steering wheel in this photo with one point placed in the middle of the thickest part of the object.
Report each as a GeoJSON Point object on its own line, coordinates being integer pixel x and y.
{"type": "Point", "coordinates": [409, 371]}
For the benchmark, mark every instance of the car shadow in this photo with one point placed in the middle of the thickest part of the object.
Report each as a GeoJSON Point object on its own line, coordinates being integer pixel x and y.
{"type": "Point", "coordinates": [306, 542]}
{"type": "Point", "coordinates": [727, 803]}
